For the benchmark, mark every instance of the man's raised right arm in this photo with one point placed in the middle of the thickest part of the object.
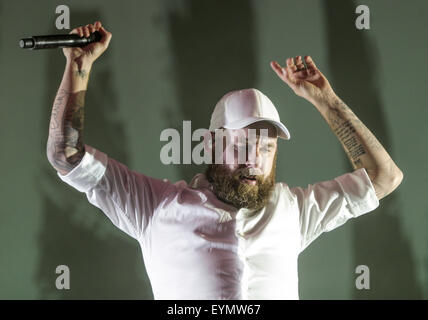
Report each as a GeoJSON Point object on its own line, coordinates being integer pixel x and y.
{"type": "Point", "coordinates": [127, 197]}
{"type": "Point", "coordinates": [65, 147]}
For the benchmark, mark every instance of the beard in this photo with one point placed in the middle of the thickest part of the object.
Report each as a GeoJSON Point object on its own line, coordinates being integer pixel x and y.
{"type": "Point", "coordinates": [229, 188]}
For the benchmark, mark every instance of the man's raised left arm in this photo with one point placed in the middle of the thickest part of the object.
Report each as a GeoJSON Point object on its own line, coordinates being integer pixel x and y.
{"type": "Point", "coordinates": [361, 146]}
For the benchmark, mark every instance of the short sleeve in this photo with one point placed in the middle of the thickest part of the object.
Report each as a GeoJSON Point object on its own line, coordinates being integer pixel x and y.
{"type": "Point", "coordinates": [326, 205]}
{"type": "Point", "coordinates": [128, 198]}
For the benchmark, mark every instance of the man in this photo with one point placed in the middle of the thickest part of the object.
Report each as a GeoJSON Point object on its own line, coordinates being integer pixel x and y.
{"type": "Point", "coordinates": [232, 233]}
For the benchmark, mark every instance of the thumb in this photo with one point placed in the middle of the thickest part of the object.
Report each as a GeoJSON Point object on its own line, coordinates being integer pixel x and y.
{"type": "Point", "coordinates": [284, 72]}
{"type": "Point", "coordinates": [280, 72]}
{"type": "Point", "coordinates": [106, 36]}
{"type": "Point", "coordinates": [277, 68]}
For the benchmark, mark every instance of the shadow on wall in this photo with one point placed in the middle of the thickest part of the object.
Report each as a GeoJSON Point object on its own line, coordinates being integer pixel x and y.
{"type": "Point", "coordinates": [378, 239]}
{"type": "Point", "coordinates": [103, 263]}
{"type": "Point", "coordinates": [1, 19]}
{"type": "Point", "coordinates": [213, 50]}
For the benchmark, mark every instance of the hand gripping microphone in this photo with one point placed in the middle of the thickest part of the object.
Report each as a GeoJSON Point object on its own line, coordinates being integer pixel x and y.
{"type": "Point", "coordinates": [58, 41]}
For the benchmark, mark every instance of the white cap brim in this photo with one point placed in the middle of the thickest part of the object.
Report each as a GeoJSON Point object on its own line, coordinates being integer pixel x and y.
{"type": "Point", "coordinates": [282, 130]}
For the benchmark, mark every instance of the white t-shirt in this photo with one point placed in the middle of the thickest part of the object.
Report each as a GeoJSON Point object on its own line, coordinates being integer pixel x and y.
{"type": "Point", "coordinates": [197, 247]}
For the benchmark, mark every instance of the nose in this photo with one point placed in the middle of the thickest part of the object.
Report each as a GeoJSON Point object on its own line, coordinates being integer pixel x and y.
{"type": "Point", "coordinates": [253, 156]}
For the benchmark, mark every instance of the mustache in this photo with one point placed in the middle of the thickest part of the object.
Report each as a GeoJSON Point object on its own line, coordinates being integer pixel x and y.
{"type": "Point", "coordinates": [249, 172]}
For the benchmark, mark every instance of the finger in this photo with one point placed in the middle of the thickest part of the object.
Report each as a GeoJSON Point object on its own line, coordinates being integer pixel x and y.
{"type": "Point", "coordinates": [97, 25]}
{"type": "Point", "coordinates": [296, 75]}
{"type": "Point", "coordinates": [91, 28]}
{"type": "Point", "coordinates": [276, 67]}
{"type": "Point", "coordinates": [280, 72]}
{"type": "Point", "coordinates": [285, 73]}
{"type": "Point", "coordinates": [312, 68]}
{"type": "Point", "coordinates": [299, 63]}
{"type": "Point", "coordinates": [85, 31]}
{"type": "Point", "coordinates": [286, 76]}
{"type": "Point", "coordinates": [78, 31]}
{"type": "Point", "coordinates": [290, 64]}
{"type": "Point", "coordinates": [310, 63]}
{"type": "Point", "coordinates": [74, 31]}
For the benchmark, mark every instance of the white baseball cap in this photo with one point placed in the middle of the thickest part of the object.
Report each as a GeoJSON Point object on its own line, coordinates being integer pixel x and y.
{"type": "Point", "coordinates": [240, 108]}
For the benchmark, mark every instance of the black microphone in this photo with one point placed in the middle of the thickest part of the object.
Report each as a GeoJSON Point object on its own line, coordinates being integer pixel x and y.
{"type": "Point", "coordinates": [58, 41]}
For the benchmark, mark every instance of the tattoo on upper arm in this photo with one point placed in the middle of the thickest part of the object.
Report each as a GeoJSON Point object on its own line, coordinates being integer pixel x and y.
{"type": "Point", "coordinates": [65, 142]}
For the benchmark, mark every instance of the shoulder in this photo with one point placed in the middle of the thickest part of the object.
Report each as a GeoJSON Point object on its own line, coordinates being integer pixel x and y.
{"type": "Point", "coordinates": [283, 187]}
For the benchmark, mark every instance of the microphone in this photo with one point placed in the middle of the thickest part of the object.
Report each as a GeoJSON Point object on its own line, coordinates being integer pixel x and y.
{"type": "Point", "coordinates": [58, 41]}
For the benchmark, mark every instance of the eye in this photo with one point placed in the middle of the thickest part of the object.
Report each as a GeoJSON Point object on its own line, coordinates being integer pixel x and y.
{"type": "Point", "coordinates": [266, 149]}
{"type": "Point", "coordinates": [239, 147]}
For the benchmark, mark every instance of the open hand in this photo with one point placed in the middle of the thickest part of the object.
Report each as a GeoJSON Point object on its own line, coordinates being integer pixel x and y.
{"type": "Point", "coordinates": [308, 83]}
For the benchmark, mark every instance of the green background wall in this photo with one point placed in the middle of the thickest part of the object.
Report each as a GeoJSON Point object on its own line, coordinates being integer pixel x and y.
{"type": "Point", "coordinates": [171, 61]}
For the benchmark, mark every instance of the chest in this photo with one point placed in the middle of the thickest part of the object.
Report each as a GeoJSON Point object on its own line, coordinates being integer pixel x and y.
{"type": "Point", "coordinates": [195, 225]}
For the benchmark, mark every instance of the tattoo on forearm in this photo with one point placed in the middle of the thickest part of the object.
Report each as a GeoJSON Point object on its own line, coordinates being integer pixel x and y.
{"type": "Point", "coordinates": [345, 125]}
{"type": "Point", "coordinates": [345, 131]}
{"type": "Point", "coordinates": [82, 73]}
{"type": "Point", "coordinates": [65, 142]}
{"type": "Point", "coordinates": [369, 138]}
{"type": "Point", "coordinates": [361, 146]}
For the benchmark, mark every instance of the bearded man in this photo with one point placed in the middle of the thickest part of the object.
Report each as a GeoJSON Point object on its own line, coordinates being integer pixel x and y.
{"type": "Point", "coordinates": [233, 232]}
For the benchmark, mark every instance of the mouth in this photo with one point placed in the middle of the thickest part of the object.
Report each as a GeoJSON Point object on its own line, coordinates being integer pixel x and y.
{"type": "Point", "coordinates": [250, 179]}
